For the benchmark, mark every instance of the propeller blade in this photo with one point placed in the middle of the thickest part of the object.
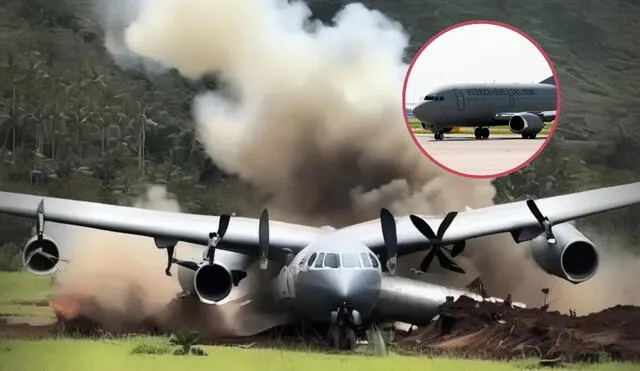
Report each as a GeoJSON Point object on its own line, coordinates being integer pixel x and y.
{"type": "Point", "coordinates": [170, 259]}
{"type": "Point", "coordinates": [223, 225]}
{"type": "Point", "coordinates": [186, 264]}
{"type": "Point", "coordinates": [388, 227]}
{"type": "Point", "coordinates": [535, 211]}
{"type": "Point", "coordinates": [28, 259]}
{"type": "Point", "coordinates": [447, 263]}
{"type": "Point", "coordinates": [423, 227]}
{"type": "Point", "coordinates": [542, 220]}
{"type": "Point", "coordinates": [428, 259]}
{"type": "Point", "coordinates": [51, 257]}
{"type": "Point", "coordinates": [458, 248]}
{"type": "Point", "coordinates": [389, 234]}
{"type": "Point", "coordinates": [446, 222]}
{"type": "Point", "coordinates": [263, 239]}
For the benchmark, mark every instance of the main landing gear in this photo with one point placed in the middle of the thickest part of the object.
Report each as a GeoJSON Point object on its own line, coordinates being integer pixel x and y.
{"type": "Point", "coordinates": [438, 135]}
{"type": "Point", "coordinates": [481, 133]}
{"type": "Point", "coordinates": [342, 334]}
{"type": "Point", "coordinates": [529, 136]}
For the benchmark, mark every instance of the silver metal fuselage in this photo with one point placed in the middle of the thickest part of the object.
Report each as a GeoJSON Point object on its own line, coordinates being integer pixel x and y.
{"type": "Point", "coordinates": [475, 105]}
{"type": "Point", "coordinates": [314, 289]}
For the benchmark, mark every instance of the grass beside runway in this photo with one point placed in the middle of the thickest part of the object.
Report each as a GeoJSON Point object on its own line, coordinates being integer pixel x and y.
{"type": "Point", "coordinates": [65, 355]}
{"type": "Point", "coordinates": [503, 129]}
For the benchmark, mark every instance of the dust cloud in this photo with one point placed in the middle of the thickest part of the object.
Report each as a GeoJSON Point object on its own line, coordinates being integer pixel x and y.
{"type": "Point", "coordinates": [310, 116]}
{"type": "Point", "coordinates": [118, 281]}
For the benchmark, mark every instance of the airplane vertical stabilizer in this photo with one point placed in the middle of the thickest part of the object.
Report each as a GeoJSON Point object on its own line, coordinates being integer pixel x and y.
{"type": "Point", "coordinates": [549, 80]}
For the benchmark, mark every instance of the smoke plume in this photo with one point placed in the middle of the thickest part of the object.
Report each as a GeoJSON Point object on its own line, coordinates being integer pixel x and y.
{"type": "Point", "coordinates": [311, 116]}
{"type": "Point", "coordinates": [118, 281]}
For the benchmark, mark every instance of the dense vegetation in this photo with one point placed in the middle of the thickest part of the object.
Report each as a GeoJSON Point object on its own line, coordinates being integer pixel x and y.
{"type": "Point", "coordinates": [72, 124]}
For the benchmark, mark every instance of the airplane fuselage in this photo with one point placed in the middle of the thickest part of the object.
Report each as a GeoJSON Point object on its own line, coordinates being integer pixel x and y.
{"type": "Point", "coordinates": [485, 105]}
{"type": "Point", "coordinates": [324, 277]}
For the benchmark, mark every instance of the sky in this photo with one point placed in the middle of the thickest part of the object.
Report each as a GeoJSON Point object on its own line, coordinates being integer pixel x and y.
{"type": "Point", "coordinates": [477, 53]}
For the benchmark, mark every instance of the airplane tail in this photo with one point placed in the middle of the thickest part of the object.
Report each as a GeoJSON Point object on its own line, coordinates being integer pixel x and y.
{"type": "Point", "coordinates": [549, 80]}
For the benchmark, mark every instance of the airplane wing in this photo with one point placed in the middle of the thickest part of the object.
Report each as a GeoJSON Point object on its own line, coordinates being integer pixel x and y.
{"type": "Point", "coordinates": [514, 217]}
{"type": "Point", "coordinates": [241, 235]}
{"type": "Point", "coordinates": [544, 115]}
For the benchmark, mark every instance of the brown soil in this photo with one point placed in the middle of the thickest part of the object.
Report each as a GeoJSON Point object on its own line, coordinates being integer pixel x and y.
{"type": "Point", "coordinates": [465, 329]}
{"type": "Point", "coordinates": [496, 331]}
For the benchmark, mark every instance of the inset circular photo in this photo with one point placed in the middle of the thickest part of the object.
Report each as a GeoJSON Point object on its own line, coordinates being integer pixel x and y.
{"type": "Point", "coordinates": [481, 99]}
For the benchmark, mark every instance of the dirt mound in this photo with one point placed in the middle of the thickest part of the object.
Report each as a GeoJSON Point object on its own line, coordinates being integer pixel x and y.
{"type": "Point", "coordinates": [498, 331]}
{"type": "Point", "coordinates": [465, 328]}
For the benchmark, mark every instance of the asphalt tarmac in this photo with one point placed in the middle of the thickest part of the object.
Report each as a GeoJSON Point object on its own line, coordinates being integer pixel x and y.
{"type": "Point", "coordinates": [485, 157]}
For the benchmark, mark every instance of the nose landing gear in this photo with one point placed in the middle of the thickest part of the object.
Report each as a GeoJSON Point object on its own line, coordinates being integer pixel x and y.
{"type": "Point", "coordinates": [481, 133]}
{"type": "Point", "coordinates": [342, 330]}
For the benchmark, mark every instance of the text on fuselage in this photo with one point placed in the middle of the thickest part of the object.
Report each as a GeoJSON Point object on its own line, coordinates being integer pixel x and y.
{"type": "Point", "coordinates": [495, 91]}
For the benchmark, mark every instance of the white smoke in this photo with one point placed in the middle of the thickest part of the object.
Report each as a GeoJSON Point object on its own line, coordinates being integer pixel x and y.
{"type": "Point", "coordinates": [311, 116]}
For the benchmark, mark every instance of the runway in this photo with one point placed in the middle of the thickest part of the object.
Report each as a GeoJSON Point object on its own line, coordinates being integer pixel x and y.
{"type": "Point", "coordinates": [468, 155]}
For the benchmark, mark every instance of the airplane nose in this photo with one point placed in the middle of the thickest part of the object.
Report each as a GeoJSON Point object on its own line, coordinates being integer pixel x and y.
{"type": "Point", "coordinates": [421, 112]}
{"type": "Point", "coordinates": [359, 288]}
{"type": "Point", "coordinates": [325, 290]}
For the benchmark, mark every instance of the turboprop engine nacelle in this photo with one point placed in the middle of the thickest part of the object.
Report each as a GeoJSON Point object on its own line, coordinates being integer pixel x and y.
{"type": "Point", "coordinates": [526, 123]}
{"type": "Point", "coordinates": [41, 255]}
{"type": "Point", "coordinates": [573, 257]}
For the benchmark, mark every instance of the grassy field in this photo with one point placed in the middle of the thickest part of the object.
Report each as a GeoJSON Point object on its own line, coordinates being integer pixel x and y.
{"type": "Point", "coordinates": [68, 355]}
{"type": "Point", "coordinates": [21, 294]}
{"type": "Point", "coordinates": [504, 129]}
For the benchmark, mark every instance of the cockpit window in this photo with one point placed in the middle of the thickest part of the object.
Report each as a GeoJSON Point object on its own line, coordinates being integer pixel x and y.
{"type": "Point", "coordinates": [332, 260]}
{"type": "Point", "coordinates": [374, 260]}
{"type": "Point", "coordinates": [319, 261]}
{"type": "Point", "coordinates": [350, 260]}
{"type": "Point", "coordinates": [433, 97]}
{"type": "Point", "coordinates": [312, 259]}
{"type": "Point", "coordinates": [365, 260]}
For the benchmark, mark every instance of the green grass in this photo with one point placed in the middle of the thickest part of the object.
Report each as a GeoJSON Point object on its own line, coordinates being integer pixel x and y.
{"type": "Point", "coordinates": [68, 355]}
{"type": "Point", "coordinates": [22, 294]}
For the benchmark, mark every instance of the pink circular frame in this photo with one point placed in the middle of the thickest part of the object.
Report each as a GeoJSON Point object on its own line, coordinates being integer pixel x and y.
{"type": "Point", "coordinates": [551, 131]}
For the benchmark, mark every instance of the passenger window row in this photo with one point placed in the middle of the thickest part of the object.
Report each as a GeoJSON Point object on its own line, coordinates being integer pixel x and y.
{"type": "Point", "coordinates": [344, 260]}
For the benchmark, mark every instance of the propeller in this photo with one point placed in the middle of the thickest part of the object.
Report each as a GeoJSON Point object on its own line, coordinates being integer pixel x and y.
{"type": "Point", "coordinates": [216, 237]}
{"type": "Point", "coordinates": [390, 237]}
{"type": "Point", "coordinates": [170, 246]}
{"type": "Point", "coordinates": [543, 221]}
{"type": "Point", "coordinates": [45, 255]}
{"type": "Point", "coordinates": [436, 250]}
{"type": "Point", "coordinates": [263, 240]}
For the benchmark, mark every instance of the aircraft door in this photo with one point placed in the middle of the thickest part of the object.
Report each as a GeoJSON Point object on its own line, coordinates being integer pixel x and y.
{"type": "Point", "coordinates": [512, 100]}
{"type": "Point", "coordinates": [459, 99]}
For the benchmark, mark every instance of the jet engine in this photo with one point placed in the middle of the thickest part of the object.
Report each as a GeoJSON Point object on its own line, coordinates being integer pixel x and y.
{"type": "Point", "coordinates": [213, 283]}
{"type": "Point", "coordinates": [573, 257]}
{"type": "Point", "coordinates": [210, 282]}
{"type": "Point", "coordinates": [41, 255]}
{"type": "Point", "coordinates": [526, 124]}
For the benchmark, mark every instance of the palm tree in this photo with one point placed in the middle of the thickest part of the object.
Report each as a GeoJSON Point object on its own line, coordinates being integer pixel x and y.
{"type": "Point", "coordinates": [186, 340]}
